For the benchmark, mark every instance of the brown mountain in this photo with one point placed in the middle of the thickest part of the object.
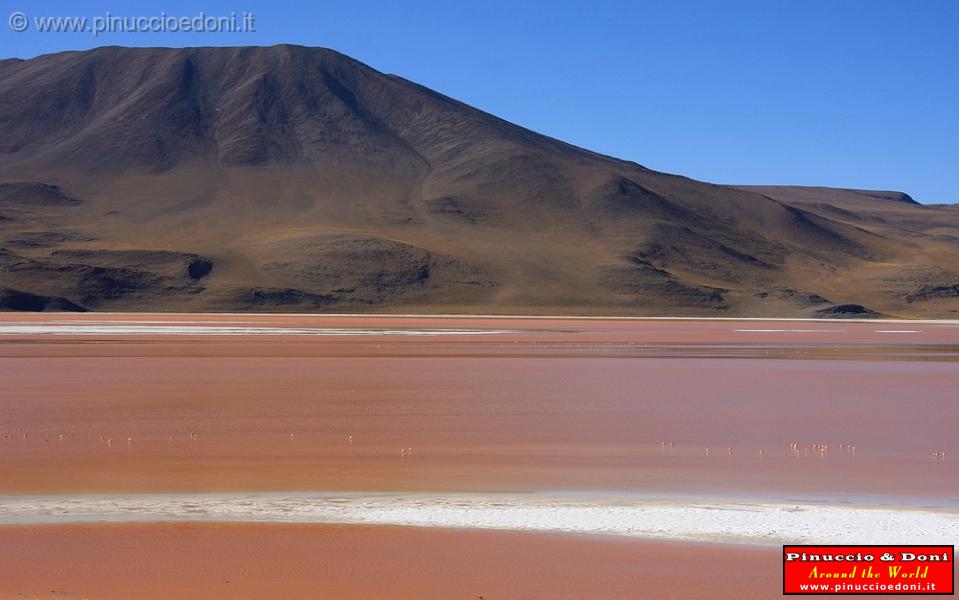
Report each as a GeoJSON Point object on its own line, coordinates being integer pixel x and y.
{"type": "Point", "coordinates": [298, 179]}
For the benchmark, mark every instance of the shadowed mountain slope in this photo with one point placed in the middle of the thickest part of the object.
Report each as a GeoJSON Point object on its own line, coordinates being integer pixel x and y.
{"type": "Point", "coordinates": [290, 178]}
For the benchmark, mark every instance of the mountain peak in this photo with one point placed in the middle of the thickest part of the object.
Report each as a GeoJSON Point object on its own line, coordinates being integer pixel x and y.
{"type": "Point", "coordinates": [303, 179]}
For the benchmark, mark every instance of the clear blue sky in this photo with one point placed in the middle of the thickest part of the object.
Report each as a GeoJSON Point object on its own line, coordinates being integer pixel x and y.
{"type": "Point", "coordinates": [853, 93]}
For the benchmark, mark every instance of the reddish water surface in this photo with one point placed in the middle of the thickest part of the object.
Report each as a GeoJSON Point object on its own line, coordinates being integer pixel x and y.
{"type": "Point", "coordinates": [187, 560]}
{"type": "Point", "coordinates": [547, 404]}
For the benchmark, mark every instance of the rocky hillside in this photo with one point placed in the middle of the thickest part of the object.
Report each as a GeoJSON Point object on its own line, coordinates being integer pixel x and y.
{"type": "Point", "coordinates": [298, 179]}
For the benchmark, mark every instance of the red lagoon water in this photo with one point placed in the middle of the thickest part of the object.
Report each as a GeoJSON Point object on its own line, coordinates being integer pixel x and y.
{"type": "Point", "coordinates": [832, 410]}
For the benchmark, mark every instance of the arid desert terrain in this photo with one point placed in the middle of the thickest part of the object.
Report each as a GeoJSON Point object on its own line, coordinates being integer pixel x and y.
{"type": "Point", "coordinates": [293, 179]}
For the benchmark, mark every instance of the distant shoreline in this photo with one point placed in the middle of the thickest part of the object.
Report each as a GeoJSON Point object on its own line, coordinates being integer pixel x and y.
{"type": "Point", "coordinates": [481, 316]}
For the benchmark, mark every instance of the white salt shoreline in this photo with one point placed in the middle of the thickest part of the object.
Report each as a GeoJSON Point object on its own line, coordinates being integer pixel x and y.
{"type": "Point", "coordinates": [728, 521]}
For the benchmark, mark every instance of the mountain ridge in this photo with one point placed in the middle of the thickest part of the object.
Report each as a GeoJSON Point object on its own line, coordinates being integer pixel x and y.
{"type": "Point", "coordinates": [311, 181]}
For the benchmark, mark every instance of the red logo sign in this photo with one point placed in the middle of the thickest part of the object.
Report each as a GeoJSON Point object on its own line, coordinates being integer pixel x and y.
{"type": "Point", "coordinates": [901, 570]}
